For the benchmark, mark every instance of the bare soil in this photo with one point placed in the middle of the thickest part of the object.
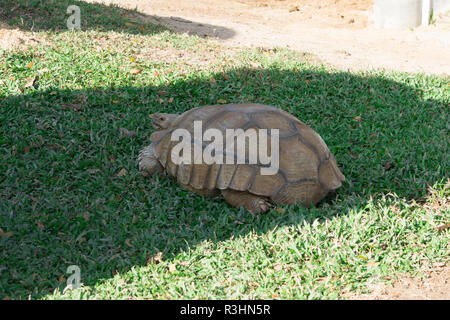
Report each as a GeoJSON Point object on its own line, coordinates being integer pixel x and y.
{"type": "Point", "coordinates": [14, 38]}
{"type": "Point", "coordinates": [338, 32]}
{"type": "Point", "coordinates": [434, 285]}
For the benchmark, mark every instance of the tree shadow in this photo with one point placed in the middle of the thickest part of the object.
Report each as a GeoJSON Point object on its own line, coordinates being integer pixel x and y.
{"type": "Point", "coordinates": [52, 15]}
{"type": "Point", "coordinates": [62, 198]}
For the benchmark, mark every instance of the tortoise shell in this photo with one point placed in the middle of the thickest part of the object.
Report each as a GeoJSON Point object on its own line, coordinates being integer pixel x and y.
{"type": "Point", "coordinates": [307, 169]}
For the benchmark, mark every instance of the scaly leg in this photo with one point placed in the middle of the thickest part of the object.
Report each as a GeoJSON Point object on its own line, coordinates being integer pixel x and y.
{"type": "Point", "coordinates": [148, 161]}
{"type": "Point", "coordinates": [251, 202]}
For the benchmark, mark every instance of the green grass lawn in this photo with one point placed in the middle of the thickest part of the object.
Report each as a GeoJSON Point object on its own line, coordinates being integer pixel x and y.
{"type": "Point", "coordinates": [62, 202]}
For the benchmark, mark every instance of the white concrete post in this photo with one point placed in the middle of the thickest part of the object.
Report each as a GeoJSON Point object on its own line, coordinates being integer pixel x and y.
{"type": "Point", "coordinates": [426, 11]}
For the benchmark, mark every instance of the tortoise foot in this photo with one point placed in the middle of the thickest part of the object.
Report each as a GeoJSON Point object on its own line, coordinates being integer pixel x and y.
{"type": "Point", "coordinates": [251, 202]}
{"type": "Point", "coordinates": [148, 162]}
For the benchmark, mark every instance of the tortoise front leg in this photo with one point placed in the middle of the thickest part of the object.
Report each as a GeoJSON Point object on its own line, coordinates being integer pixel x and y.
{"type": "Point", "coordinates": [251, 202]}
{"type": "Point", "coordinates": [148, 161]}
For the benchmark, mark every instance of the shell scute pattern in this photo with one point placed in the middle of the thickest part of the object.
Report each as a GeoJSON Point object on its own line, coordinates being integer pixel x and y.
{"type": "Point", "coordinates": [307, 169]}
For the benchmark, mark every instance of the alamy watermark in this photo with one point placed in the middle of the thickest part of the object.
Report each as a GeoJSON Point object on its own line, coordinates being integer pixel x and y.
{"type": "Point", "coordinates": [74, 281]}
{"type": "Point", "coordinates": [226, 151]}
{"type": "Point", "coordinates": [74, 21]}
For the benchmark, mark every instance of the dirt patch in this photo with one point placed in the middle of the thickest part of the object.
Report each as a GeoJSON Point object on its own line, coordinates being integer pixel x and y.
{"type": "Point", "coordinates": [338, 32]}
{"type": "Point", "coordinates": [434, 285]}
{"type": "Point", "coordinates": [348, 14]}
{"type": "Point", "coordinates": [11, 38]}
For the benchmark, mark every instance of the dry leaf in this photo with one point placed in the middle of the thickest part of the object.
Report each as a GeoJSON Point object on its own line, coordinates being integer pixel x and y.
{"type": "Point", "coordinates": [439, 264]}
{"type": "Point", "coordinates": [62, 278]}
{"type": "Point", "coordinates": [221, 101]}
{"type": "Point", "coordinates": [170, 99]}
{"type": "Point", "coordinates": [278, 267]}
{"type": "Point", "coordinates": [436, 205]}
{"type": "Point", "coordinates": [443, 227]}
{"type": "Point", "coordinates": [315, 223]}
{"type": "Point", "coordinates": [280, 210]}
{"type": "Point", "coordinates": [9, 234]}
{"type": "Point", "coordinates": [157, 258]}
{"type": "Point", "coordinates": [357, 118]}
{"type": "Point", "coordinates": [372, 264]}
{"type": "Point", "coordinates": [44, 70]}
{"type": "Point", "coordinates": [237, 221]}
{"type": "Point", "coordinates": [85, 216]}
{"type": "Point", "coordinates": [388, 165]}
{"type": "Point", "coordinates": [172, 268]}
{"type": "Point", "coordinates": [126, 133]}
{"type": "Point", "coordinates": [128, 243]}
{"type": "Point", "coordinates": [40, 225]}
{"type": "Point", "coordinates": [135, 71]}
{"type": "Point", "coordinates": [1, 232]}
{"type": "Point", "coordinates": [72, 106]}
{"type": "Point", "coordinates": [31, 82]}
{"type": "Point", "coordinates": [212, 80]}
{"type": "Point", "coordinates": [122, 172]}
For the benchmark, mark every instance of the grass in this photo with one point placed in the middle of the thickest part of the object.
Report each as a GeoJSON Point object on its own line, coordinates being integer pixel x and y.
{"type": "Point", "coordinates": [63, 204]}
{"type": "Point", "coordinates": [51, 15]}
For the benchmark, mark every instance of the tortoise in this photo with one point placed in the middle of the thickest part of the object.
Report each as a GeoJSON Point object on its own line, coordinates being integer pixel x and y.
{"type": "Point", "coordinates": [307, 169]}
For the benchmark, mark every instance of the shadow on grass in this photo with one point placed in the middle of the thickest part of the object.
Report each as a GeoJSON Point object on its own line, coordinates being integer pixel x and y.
{"type": "Point", "coordinates": [61, 151]}
{"type": "Point", "coordinates": [51, 15]}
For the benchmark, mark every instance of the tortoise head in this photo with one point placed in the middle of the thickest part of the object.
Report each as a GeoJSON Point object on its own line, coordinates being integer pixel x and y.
{"type": "Point", "coordinates": [163, 121]}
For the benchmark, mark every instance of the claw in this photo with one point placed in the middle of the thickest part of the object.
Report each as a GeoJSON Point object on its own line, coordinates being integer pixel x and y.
{"type": "Point", "coordinates": [262, 206]}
